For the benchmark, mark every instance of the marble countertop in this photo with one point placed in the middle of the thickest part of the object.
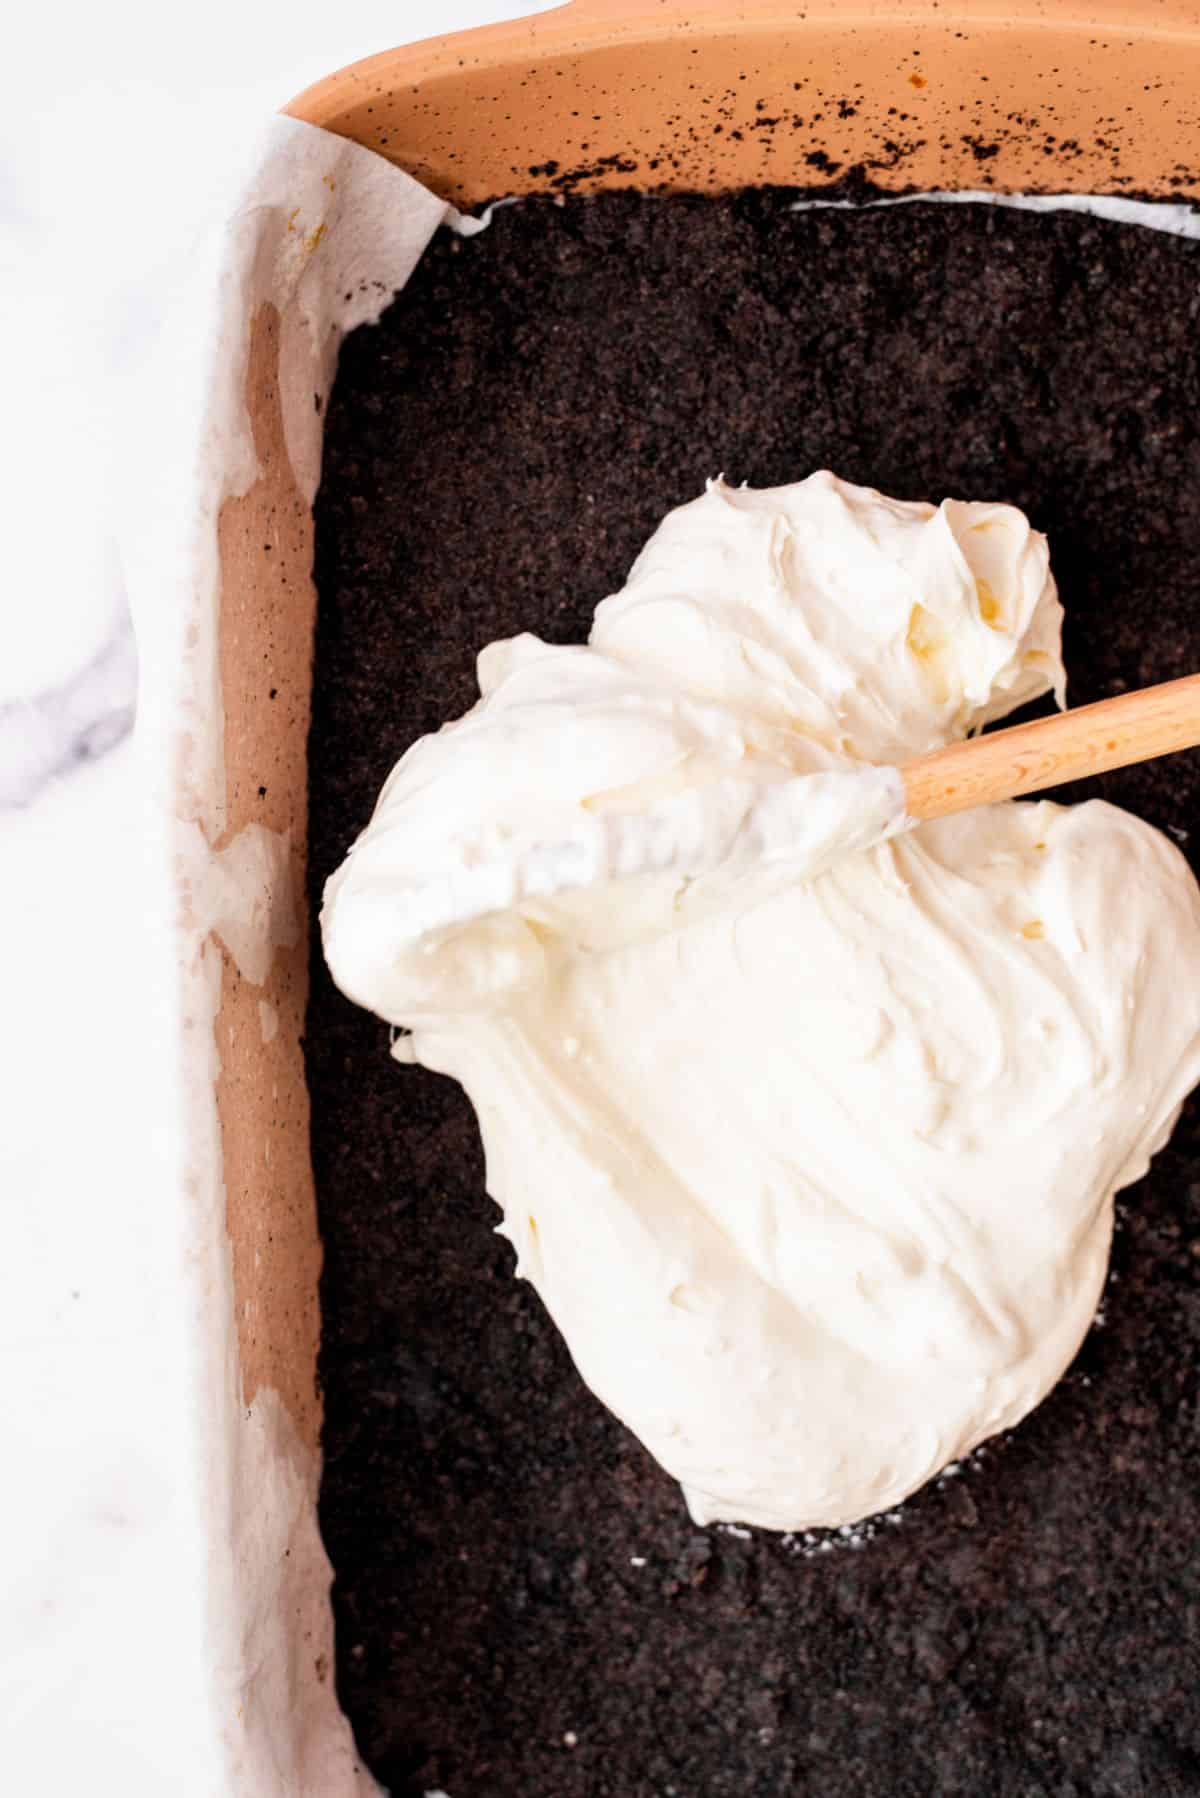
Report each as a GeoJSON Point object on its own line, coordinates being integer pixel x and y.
{"type": "Point", "coordinates": [106, 183]}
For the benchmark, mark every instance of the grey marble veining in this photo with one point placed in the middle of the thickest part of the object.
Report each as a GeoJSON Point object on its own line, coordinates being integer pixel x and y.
{"type": "Point", "coordinates": [46, 736]}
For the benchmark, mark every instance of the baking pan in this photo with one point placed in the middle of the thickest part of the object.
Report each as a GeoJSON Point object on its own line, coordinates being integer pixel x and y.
{"type": "Point", "coordinates": [700, 96]}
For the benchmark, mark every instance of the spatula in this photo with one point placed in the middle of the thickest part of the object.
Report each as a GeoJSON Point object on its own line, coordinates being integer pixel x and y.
{"type": "Point", "coordinates": [1028, 758]}
{"type": "Point", "coordinates": [734, 824]}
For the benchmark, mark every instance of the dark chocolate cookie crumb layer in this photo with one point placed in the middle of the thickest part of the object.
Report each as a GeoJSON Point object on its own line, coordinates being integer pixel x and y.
{"type": "Point", "coordinates": [523, 1608]}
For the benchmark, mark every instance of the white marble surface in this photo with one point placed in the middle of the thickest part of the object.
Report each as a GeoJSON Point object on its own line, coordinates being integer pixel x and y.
{"type": "Point", "coordinates": [110, 167]}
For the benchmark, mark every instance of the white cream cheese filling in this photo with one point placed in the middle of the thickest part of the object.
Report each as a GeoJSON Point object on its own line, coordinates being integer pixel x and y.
{"type": "Point", "coordinates": [808, 1147]}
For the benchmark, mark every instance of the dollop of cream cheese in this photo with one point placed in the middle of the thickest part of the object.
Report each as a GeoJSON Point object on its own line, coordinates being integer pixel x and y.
{"type": "Point", "coordinates": [809, 1146]}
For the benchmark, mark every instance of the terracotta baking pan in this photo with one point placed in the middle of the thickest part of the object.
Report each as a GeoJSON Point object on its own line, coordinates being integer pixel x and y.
{"type": "Point", "coordinates": [1084, 95]}
{"type": "Point", "coordinates": [1090, 95]}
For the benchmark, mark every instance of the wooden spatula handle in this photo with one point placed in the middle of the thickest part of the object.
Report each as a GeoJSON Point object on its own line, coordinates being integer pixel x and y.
{"type": "Point", "coordinates": [1007, 763]}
